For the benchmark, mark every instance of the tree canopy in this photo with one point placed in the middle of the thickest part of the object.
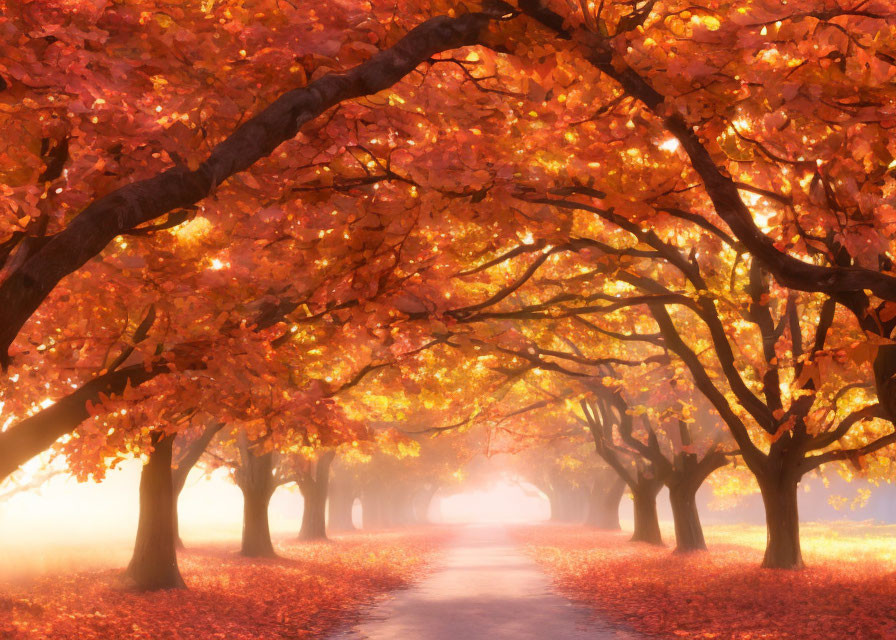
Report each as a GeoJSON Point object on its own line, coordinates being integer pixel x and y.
{"type": "Point", "coordinates": [315, 223]}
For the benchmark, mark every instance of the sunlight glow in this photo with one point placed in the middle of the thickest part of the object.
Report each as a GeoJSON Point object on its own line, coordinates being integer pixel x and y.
{"type": "Point", "coordinates": [671, 145]}
{"type": "Point", "coordinates": [193, 230]}
{"type": "Point", "coordinates": [504, 502]}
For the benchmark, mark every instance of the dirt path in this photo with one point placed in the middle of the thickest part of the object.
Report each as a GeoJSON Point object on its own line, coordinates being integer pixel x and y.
{"type": "Point", "coordinates": [485, 588]}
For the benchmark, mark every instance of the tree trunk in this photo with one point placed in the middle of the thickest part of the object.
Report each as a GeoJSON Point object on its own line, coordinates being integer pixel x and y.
{"type": "Point", "coordinates": [314, 526]}
{"type": "Point", "coordinates": [565, 507]}
{"type": "Point", "coordinates": [422, 500]}
{"type": "Point", "coordinates": [257, 484]}
{"type": "Point", "coordinates": [554, 502]}
{"type": "Point", "coordinates": [372, 507]}
{"type": "Point", "coordinates": [154, 563]}
{"type": "Point", "coordinates": [782, 521]}
{"type": "Point", "coordinates": [256, 528]}
{"type": "Point", "coordinates": [603, 503]}
{"type": "Point", "coordinates": [688, 530]}
{"type": "Point", "coordinates": [314, 491]}
{"type": "Point", "coordinates": [568, 503]}
{"type": "Point", "coordinates": [400, 507]}
{"type": "Point", "coordinates": [577, 505]}
{"type": "Point", "coordinates": [339, 508]}
{"type": "Point", "coordinates": [647, 522]}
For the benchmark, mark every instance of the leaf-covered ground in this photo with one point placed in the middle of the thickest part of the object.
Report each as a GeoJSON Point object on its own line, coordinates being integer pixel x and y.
{"type": "Point", "coordinates": [312, 589]}
{"type": "Point", "coordinates": [848, 590]}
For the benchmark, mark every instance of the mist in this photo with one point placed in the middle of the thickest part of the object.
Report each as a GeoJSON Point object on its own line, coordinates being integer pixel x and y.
{"type": "Point", "coordinates": [67, 525]}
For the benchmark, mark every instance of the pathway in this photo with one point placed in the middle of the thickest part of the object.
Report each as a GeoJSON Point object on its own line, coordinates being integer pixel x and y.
{"type": "Point", "coordinates": [485, 588]}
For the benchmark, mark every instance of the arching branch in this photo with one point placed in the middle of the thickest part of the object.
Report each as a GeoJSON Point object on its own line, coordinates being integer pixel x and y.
{"type": "Point", "coordinates": [179, 187]}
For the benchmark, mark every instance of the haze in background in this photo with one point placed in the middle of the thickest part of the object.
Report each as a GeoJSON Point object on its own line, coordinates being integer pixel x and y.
{"type": "Point", "coordinates": [66, 524]}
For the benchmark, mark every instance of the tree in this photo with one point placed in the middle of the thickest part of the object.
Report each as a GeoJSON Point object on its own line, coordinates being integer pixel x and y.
{"type": "Point", "coordinates": [154, 562]}
{"type": "Point", "coordinates": [40, 266]}
{"type": "Point", "coordinates": [649, 269]}
{"type": "Point", "coordinates": [792, 429]}
{"type": "Point", "coordinates": [615, 43]}
{"type": "Point", "coordinates": [343, 491]}
{"type": "Point", "coordinates": [795, 431]}
{"type": "Point", "coordinates": [558, 464]}
{"type": "Point", "coordinates": [604, 499]}
{"type": "Point", "coordinates": [683, 467]}
{"type": "Point", "coordinates": [857, 257]}
{"type": "Point", "coordinates": [447, 183]}
{"type": "Point", "coordinates": [313, 479]}
{"type": "Point", "coordinates": [257, 479]}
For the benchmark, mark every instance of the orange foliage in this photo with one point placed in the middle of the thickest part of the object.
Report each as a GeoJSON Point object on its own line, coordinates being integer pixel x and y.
{"type": "Point", "coordinates": [309, 591]}
{"type": "Point", "coordinates": [722, 594]}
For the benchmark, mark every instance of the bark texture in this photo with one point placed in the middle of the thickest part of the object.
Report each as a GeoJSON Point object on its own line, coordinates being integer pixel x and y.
{"type": "Point", "coordinates": [782, 551]}
{"type": "Point", "coordinates": [153, 565]}
{"type": "Point", "coordinates": [256, 480]}
{"type": "Point", "coordinates": [647, 522]}
{"type": "Point", "coordinates": [313, 486]}
{"type": "Point", "coordinates": [688, 529]}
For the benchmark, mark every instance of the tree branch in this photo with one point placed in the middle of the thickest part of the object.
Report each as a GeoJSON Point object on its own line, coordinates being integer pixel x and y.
{"type": "Point", "coordinates": [721, 189]}
{"type": "Point", "coordinates": [178, 187]}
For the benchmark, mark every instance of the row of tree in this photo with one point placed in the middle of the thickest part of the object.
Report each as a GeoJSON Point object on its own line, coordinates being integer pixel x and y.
{"type": "Point", "coordinates": [671, 226]}
{"type": "Point", "coordinates": [393, 491]}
